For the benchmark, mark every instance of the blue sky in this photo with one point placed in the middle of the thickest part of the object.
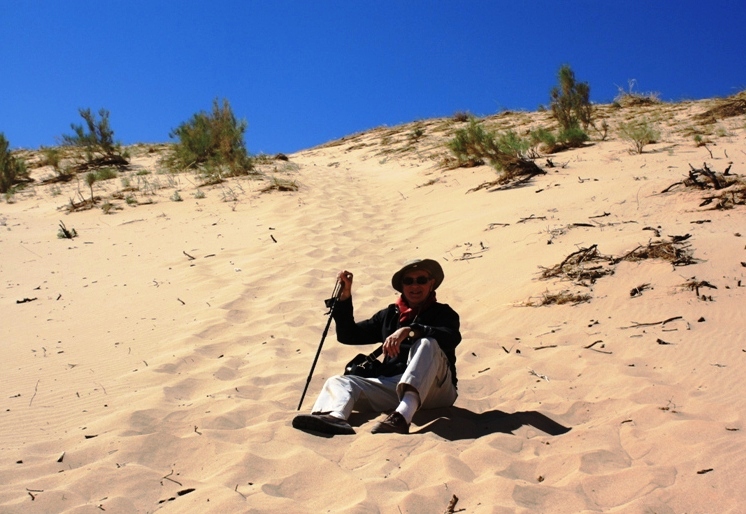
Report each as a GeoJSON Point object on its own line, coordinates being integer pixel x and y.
{"type": "Point", "coordinates": [302, 73]}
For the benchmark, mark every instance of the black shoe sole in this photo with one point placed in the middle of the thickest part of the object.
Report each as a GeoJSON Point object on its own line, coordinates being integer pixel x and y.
{"type": "Point", "coordinates": [309, 422]}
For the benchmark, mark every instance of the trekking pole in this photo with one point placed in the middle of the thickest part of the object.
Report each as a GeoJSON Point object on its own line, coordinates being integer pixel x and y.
{"type": "Point", "coordinates": [331, 303]}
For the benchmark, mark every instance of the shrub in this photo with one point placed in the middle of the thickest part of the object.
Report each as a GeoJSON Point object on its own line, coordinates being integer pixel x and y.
{"type": "Point", "coordinates": [461, 116]}
{"type": "Point", "coordinates": [90, 179]}
{"type": "Point", "coordinates": [96, 139]}
{"type": "Point", "coordinates": [51, 156]}
{"type": "Point", "coordinates": [639, 133]}
{"type": "Point", "coordinates": [570, 100]}
{"type": "Point", "coordinates": [549, 142]}
{"type": "Point", "coordinates": [214, 140]}
{"type": "Point", "coordinates": [11, 169]}
{"type": "Point", "coordinates": [106, 174]}
{"type": "Point", "coordinates": [632, 98]}
{"type": "Point", "coordinates": [472, 144]}
{"type": "Point", "coordinates": [544, 138]}
{"type": "Point", "coordinates": [511, 143]}
{"type": "Point", "coordinates": [572, 136]}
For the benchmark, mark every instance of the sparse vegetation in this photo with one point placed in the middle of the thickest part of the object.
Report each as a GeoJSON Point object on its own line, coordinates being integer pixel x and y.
{"type": "Point", "coordinates": [639, 132]}
{"type": "Point", "coordinates": [96, 141]}
{"type": "Point", "coordinates": [53, 156]}
{"type": "Point", "coordinates": [211, 143]}
{"type": "Point", "coordinates": [12, 169]}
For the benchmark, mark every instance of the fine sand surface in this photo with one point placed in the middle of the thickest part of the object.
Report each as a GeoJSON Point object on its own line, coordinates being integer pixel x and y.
{"type": "Point", "coordinates": [163, 352]}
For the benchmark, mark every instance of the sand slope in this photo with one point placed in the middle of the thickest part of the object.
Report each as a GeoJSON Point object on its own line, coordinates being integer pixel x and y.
{"type": "Point", "coordinates": [163, 356]}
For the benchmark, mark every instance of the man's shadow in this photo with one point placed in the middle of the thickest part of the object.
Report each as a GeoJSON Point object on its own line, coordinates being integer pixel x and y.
{"type": "Point", "coordinates": [455, 423]}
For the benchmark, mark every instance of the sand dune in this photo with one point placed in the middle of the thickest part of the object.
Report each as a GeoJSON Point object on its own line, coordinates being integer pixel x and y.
{"type": "Point", "coordinates": [162, 352]}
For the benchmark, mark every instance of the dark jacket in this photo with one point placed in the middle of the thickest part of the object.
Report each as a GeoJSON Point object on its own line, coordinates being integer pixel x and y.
{"type": "Point", "coordinates": [439, 322]}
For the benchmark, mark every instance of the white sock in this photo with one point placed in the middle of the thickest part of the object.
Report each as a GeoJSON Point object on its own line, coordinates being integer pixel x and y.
{"type": "Point", "coordinates": [409, 404]}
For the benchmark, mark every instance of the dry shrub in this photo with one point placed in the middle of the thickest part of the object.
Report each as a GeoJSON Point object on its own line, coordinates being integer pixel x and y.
{"type": "Point", "coordinates": [731, 188]}
{"type": "Point", "coordinates": [587, 265]}
{"type": "Point", "coordinates": [628, 99]}
{"type": "Point", "coordinates": [584, 264]}
{"type": "Point", "coordinates": [561, 298]}
{"type": "Point", "coordinates": [676, 252]}
{"type": "Point", "coordinates": [727, 108]}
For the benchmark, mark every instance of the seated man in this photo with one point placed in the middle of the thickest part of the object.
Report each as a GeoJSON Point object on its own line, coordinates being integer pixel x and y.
{"type": "Point", "coordinates": [419, 337]}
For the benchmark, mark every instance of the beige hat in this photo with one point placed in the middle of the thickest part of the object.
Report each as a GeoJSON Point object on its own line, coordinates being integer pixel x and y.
{"type": "Point", "coordinates": [429, 265]}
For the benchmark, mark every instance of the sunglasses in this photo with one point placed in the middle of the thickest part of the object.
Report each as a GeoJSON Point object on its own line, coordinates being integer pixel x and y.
{"type": "Point", "coordinates": [421, 280]}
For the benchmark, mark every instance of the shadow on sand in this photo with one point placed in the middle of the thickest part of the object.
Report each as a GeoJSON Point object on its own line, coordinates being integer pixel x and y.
{"type": "Point", "coordinates": [455, 423]}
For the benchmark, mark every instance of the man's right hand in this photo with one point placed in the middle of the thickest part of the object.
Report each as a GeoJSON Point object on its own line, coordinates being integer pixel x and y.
{"type": "Point", "coordinates": [345, 278]}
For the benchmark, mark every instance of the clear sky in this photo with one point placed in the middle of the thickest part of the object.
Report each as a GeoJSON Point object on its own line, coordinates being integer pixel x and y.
{"type": "Point", "coordinates": [302, 73]}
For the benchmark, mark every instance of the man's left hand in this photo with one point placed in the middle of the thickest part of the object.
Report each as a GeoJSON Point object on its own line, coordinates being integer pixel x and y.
{"type": "Point", "coordinates": [392, 344]}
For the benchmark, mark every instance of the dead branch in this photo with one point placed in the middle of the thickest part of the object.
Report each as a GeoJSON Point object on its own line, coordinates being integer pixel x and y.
{"type": "Point", "coordinates": [661, 323]}
{"type": "Point", "coordinates": [451, 505]}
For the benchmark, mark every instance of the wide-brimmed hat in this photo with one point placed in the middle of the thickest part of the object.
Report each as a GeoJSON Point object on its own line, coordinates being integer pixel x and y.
{"type": "Point", "coordinates": [429, 265]}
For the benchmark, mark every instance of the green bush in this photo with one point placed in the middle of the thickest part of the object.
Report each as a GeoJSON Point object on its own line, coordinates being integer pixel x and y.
{"type": "Point", "coordinates": [212, 141]}
{"type": "Point", "coordinates": [96, 140]}
{"type": "Point", "coordinates": [549, 142]}
{"type": "Point", "coordinates": [11, 169]}
{"type": "Point", "coordinates": [90, 179]}
{"type": "Point", "coordinates": [639, 133]}
{"type": "Point", "coordinates": [473, 144]}
{"type": "Point", "coordinates": [544, 138]}
{"type": "Point", "coordinates": [511, 143]}
{"type": "Point", "coordinates": [572, 136]}
{"type": "Point", "coordinates": [570, 100]}
{"type": "Point", "coordinates": [106, 173]}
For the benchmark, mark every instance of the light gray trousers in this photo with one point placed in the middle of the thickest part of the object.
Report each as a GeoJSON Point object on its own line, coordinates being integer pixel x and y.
{"type": "Point", "coordinates": [427, 372]}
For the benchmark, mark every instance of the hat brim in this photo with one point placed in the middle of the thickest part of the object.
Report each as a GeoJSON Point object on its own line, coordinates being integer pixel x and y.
{"type": "Point", "coordinates": [432, 267]}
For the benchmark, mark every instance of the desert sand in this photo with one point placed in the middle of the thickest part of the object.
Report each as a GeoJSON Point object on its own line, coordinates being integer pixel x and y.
{"type": "Point", "coordinates": [154, 363]}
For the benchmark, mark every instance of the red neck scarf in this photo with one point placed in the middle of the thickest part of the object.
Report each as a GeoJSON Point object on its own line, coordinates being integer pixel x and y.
{"type": "Point", "coordinates": [408, 314]}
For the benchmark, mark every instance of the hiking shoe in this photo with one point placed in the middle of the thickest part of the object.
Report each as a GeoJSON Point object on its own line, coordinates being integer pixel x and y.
{"type": "Point", "coordinates": [393, 424]}
{"type": "Point", "coordinates": [324, 423]}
